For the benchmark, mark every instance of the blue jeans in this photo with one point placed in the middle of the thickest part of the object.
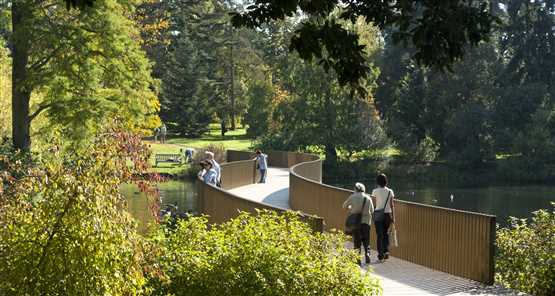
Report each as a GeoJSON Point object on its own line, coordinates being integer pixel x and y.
{"type": "Point", "coordinates": [262, 176]}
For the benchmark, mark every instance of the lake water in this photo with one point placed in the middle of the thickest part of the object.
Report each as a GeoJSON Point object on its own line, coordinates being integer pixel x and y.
{"type": "Point", "coordinates": [180, 193]}
{"type": "Point", "coordinates": [502, 201]}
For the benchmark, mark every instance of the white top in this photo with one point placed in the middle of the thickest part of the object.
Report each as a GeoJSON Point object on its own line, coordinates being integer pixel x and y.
{"type": "Point", "coordinates": [262, 161]}
{"type": "Point", "coordinates": [216, 166]}
{"type": "Point", "coordinates": [381, 196]}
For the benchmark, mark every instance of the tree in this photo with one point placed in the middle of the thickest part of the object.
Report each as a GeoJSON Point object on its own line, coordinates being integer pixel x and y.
{"type": "Point", "coordinates": [5, 89]}
{"type": "Point", "coordinates": [260, 100]}
{"type": "Point", "coordinates": [86, 64]}
{"type": "Point", "coordinates": [321, 112]}
{"type": "Point", "coordinates": [439, 31]}
{"type": "Point", "coordinates": [527, 44]}
{"type": "Point", "coordinates": [184, 103]}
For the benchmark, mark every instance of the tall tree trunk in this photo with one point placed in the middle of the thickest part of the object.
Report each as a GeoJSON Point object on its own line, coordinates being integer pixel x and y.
{"type": "Point", "coordinates": [223, 127]}
{"type": "Point", "coordinates": [232, 87]}
{"type": "Point", "coordinates": [331, 152]}
{"type": "Point", "coordinates": [331, 155]}
{"type": "Point", "coordinates": [21, 93]}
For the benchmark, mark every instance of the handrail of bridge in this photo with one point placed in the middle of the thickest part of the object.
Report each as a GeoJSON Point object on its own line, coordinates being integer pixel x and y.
{"type": "Point", "coordinates": [457, 242]}
{"type": "Point", "coordinates": [221, 205]}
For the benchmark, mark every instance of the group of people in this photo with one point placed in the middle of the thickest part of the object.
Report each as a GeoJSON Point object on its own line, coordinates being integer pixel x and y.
{"type": "Point", "coordinates": [211, 172]}
{"type": "Point", "coordinates": [361, 203]}
{"type": "Point", "coordinates": [357, 203]}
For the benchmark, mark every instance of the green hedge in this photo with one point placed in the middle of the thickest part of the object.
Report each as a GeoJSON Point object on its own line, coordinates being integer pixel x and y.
{"type": "Point", "coordinates": [267, 254]}
{"type": "Point", "coordinates": [526, 254]}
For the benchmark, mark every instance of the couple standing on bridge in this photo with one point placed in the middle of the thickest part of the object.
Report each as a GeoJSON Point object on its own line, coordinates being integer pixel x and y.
{"type": "Point", "coordinates": [362, 213]}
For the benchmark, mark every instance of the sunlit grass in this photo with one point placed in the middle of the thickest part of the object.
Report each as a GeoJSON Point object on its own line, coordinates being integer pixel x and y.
{"type": "Point", "coordinates": [235, 140]}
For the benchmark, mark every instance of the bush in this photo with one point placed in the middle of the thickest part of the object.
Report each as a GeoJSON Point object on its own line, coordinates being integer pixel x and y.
{"type": "Point", "coordinates": [526, 254]}
{"type": "Point", "coordinates": [63, 230]}
{"type": "Point", "coordinates": [267, 254]}
{"type": "Point", "coordinates": [427, 150]}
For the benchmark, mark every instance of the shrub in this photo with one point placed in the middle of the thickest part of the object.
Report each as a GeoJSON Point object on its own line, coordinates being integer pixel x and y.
{"type": "Point", "coordinates": [526, 254]}
{"type": "Point", "coordinates": [427, 150]}
{"type": "Point", "coordinates": [63, 230]}
{"type": "Point", "coordinates": [267, 254]}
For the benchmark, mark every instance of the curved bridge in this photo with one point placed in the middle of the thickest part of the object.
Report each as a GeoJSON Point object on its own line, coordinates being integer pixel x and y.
{"type": "Point", "coordinates": [441, 251]}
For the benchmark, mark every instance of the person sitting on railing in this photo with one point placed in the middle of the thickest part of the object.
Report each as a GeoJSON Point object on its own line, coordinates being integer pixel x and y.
{"type": "Point", "coordinates": [360, 202]}
{"type": "Point", "coordinates": [210, 175]}
{"type": "Point", "coordinates": [383, 215]}
{"type": "Point", "coordinates": [216, 167]}
{"type": "Point", "coordinates": [262, 164]}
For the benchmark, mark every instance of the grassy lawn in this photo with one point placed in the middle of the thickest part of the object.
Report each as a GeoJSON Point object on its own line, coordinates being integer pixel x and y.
{"type": "Point", "coordinates": [236, 140]}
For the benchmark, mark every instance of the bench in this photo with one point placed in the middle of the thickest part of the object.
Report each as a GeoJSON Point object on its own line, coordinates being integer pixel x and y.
{"type": "Point", "coordinates": [173, 158]}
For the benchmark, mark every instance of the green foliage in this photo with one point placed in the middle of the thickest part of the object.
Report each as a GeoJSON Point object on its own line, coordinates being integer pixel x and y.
{"type": "Point", "coordinates": [260, 95]}
{"type": "Point", "coordinates": [109, 77]}
{"type": "Point", "coordinates": [427, 150]}
{"type": "Point", "coordinates": [267, 254]}
{"type": "Point", "coordinates": [525, 259]}
{"type": "Point", "coordinates": [438, 31]}
{"type": "Point", "coordinates": [207, 67]}
{"type": "Point", "coordinates": [490, 103]}
{"type": "Point", "coordinates": [309, 106]}
{"type": "Point", "coordinates": [184, 103]}
{"type": "Point", "coordinates": [63, 227]}
{"type": "Point", "coordinates": [82, 67]}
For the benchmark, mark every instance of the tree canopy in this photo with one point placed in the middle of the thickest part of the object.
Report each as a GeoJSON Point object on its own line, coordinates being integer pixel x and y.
{"type": "Point", "coordinates": [438, 30]}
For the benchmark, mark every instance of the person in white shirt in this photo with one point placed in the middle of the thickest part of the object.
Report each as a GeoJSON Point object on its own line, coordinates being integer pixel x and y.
{"type": "Point", "coordinates": [384, 201]}
{"type": "Point", "coordinates": [262, 165]}
{"type": "Point", "coordinates": [355, 204]}
{"type": "Point", "coordinates": [216, 166]}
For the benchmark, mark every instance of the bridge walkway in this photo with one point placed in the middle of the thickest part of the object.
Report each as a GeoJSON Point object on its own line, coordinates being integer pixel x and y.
{"type": "Point", "coordinates": [398, 277]}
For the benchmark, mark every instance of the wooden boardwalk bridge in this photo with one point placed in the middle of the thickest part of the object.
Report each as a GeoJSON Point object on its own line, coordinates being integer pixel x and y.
{"type": "Point", "coordinates": [441, 251]}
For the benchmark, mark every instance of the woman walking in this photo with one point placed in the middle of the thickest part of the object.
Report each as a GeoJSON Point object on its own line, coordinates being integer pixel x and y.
{"type": "Point", "coordinates": [383, 215]}
{"type": "Point", "coordinates": [360, 203]}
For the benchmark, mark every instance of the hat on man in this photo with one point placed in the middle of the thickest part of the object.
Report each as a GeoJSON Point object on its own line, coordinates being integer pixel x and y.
{"type": "Point", "coordinates": [360, 187]}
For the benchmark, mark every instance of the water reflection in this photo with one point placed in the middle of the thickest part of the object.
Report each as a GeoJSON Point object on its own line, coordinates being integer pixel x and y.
{"type": "Point", "coordinates": [502, 201]}
{"type": "Point", "coordinates": [181, 193]}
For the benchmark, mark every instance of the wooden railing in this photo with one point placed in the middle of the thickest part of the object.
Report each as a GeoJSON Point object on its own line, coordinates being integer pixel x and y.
{"type": "Point", "coordinates": [220, 205]}
{"type": "Point", "coordinates": [457, 242]}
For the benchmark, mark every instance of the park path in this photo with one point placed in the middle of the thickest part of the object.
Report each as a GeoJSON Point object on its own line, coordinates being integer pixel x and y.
{"type": "Point", "coordinates": [398, 277]}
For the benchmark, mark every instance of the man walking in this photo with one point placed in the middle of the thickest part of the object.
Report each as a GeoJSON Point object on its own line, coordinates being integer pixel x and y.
{"type": "Point", "coordinates": [262, 165]}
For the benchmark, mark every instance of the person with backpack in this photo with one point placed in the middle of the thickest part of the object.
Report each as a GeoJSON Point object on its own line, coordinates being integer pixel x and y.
{"type": "Point", "coordinates": [383, 215]}
{"type": "Point", "coordinates": [360, 218]}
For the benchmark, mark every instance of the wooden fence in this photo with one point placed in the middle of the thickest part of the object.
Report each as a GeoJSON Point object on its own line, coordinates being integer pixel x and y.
{"type": "Point", "coordinates": [457, 242]}
{"type": "Point", "coordinates": [221, 205]}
